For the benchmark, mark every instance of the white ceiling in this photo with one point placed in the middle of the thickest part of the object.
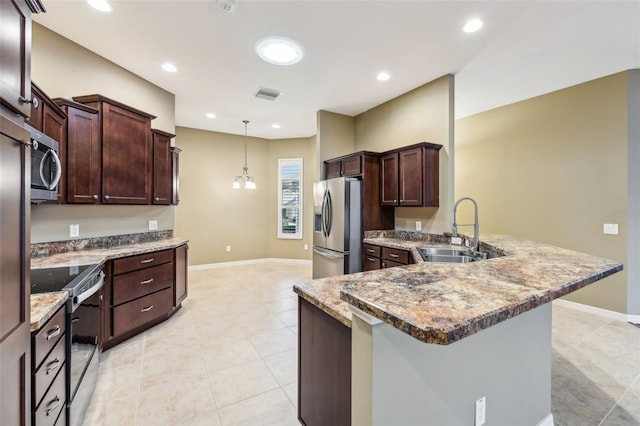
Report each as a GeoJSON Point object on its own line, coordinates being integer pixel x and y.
{"type": "Point", "coordinates": [526, 48]}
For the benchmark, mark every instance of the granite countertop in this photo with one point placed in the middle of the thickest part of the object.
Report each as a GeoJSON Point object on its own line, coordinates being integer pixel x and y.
{"type": "Point", "coordinates": [441, 303]}
{"type": "Point", "coordinates": [44, 305]}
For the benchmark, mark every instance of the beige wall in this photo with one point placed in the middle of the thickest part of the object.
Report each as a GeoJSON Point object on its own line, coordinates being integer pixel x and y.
{"type": "Point", "coordinates": [554, 169]}
{"type": "Point", "coordinates": [212, 215]}
{"type": "Point", "coordinates": [424, 114]}
{"type": "Point", "coordinates": [335, 137]}
{"type": "Point", "coordinates": [64, 69]}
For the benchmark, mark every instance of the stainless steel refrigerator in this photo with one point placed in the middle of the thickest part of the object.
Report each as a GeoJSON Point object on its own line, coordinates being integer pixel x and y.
{"type": "Point", "coordinates": [337, 227]}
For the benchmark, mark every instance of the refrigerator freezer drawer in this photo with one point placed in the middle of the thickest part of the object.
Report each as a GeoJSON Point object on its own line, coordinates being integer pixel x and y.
{"type": "Point", "coordinates": [327, 263]}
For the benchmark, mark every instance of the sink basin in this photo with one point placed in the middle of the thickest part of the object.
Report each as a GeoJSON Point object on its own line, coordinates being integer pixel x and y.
{"type": "Point", "coordinates": [450, 255]}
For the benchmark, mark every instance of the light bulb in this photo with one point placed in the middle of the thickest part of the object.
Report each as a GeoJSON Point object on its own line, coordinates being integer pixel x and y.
{"type": "Point", "coordinates": [236, 185]}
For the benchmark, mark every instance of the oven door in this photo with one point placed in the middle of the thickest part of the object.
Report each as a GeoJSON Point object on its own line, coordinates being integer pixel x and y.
{"type": "Point", "coordinates": [84, 323]}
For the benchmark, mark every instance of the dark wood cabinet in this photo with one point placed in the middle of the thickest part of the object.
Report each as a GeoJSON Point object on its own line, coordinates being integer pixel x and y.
{"type": "Point", "coordinates": [82, 176]}
{"type": "Point", "coordinates": [180, 279]}
{"type": "Point", "coordinates": [48, 345]}
{"type": "Point", "coordinates": [410, 176]}
{"type": "Point", "coordinates": [15, 53]}
{"type": "Point", "coordinates": [377, 257]}
{"type": "Point", "coordinates": [324, 368]}
{"type": "Point", "coordinates": [127, 151]}
{"type": "Point", "coordinates": [162, 167]}
{"type": "Point", "coordinates": [141, 291]}
{"type": "Point", "coordinates": [347, 166]}
{"type": "Point", "coordinates": [15, 345]}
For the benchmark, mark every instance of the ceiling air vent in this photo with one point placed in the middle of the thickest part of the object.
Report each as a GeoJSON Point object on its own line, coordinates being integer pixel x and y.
{"type": "Point", "coordinates": [268, 94]}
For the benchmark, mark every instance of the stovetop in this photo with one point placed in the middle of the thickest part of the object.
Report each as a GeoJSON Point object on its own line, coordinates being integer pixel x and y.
{"type": "Point", "coordinates": [57, 279]}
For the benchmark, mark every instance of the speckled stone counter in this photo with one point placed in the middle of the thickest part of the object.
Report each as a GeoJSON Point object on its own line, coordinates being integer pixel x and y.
{"type": "Point", "coordinates": [44, 305]}
{"type": "Point", "coordinates": [441, 303]}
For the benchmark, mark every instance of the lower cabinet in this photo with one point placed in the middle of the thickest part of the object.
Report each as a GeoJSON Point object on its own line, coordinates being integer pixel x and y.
{"type": "Point", "coordinates": [324, 368]}
{"type": "Point", "coordinates": [48, 379]}
{"type": "Point", "coordinates": [142, 291]}
{"type": "Point", "coordinates": [376, 257]}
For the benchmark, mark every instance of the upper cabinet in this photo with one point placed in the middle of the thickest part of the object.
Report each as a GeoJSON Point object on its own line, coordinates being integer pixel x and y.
{"type": "Point", "coordinates": [15, 66]}
{"type": "Point", "coordinates": [82, 178]}
{"type": "Point", "coordinates": [162, 167]}
{"type": "Point", "coordinates": [348, 165]}
{"type": "Point", "coordinates": [409, 176]}
{"type": "Point", "coordinates": [127, 151]}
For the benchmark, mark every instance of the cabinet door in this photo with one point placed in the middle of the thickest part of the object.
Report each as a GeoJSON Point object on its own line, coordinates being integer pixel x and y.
{"type": "Point", "coordinates": [332, 169]}
{"type": "Point", "coordinates": [180, 282]}
{"type": "Point", "coordinates": [352, 166]}
{"type": "Point", "coordinates": [15, 63]}
{"type": "Point", "coordinates": [389, 180]}
{"type": "Point", "coordinates": [83, 157]}
{"type": "Point", "coordinates": [54, 125]}
{"type": "Point", "coordinates": [15, 345]}
{"type": "Point", "coordinates": [126, 156]}
{"type": "Point", "coordinates": [410, 177]}
{"type": "Point", "coordinates": [161, 169]}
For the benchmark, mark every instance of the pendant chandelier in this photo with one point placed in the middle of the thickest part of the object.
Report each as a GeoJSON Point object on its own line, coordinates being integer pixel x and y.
{"type": "Point", "coordinates": [244, 179]}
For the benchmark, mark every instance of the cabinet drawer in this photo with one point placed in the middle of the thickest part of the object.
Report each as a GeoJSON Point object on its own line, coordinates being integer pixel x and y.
{"type": "Point", "coordinates": [371, 250]}
{"type": "Point", "coordinates": [141, 261]}
{"type": "Point", "coordinates": [53, 402]}
{"type": "Point", "coordinates": [395, 255]}
{"type": "Point", "coordinates": [48, 371]}
{"type": "Point", "coordinates": [370, 263]}
{"type": "Point", "coordinates": [140, 283]}
{"type": "Point", "coordinates": [140, 311]}
{"type": "Point", "coordinates": [391, 264]}
{"type": "Point", "coordinates": [352, 166]}
{"type": "Point", "coordinates": [46, 338]}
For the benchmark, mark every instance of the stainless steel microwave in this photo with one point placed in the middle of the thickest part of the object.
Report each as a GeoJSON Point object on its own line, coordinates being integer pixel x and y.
{"type": "Point", "coordinates": [46, 168]}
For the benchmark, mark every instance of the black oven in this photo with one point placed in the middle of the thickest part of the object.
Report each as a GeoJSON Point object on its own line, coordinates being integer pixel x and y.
{"type": "Point", "coordinates": [83, 283]}
{"type": "Point", "coordinates": [46, 169]}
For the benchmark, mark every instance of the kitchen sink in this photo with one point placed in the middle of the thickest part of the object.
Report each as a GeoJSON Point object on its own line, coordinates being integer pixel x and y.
{"type": "Point", "coordinates": [450, 255]}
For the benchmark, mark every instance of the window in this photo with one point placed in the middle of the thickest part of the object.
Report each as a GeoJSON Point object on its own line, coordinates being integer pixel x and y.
{"type": "Point", "coordinates": [290, 198]}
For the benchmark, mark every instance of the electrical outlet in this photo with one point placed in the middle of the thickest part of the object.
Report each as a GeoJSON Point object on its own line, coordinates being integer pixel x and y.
{"type": "Point", "coordinates": [611, 229]}
{"type": "Point", "coordinates": [456, 240]}
{"type": "Point", "coordinates": [228, 249]}
{"type": "Point", "coordinates": [481, 411]}
{"type": "Point", "coordinates": [418, 225]}
{"type": "Point", "coordinates": [153, 225]}
{"type": "Point", "coordinates": [306, 246]}
{"type": "Point", "coordinates": [74, 230]}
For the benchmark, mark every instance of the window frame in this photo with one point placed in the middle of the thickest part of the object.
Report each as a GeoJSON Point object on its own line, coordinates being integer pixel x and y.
{"type": "Point", "coordinates": [282, 162]}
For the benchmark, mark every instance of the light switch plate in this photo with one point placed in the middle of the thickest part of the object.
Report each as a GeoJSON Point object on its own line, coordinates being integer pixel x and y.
{"type": "Point", "coordinates": [153, 225]}
{"type": "Point", "coordinates": [611, 229]}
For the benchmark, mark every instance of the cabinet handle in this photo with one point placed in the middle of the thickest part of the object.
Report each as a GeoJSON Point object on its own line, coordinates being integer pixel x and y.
{"type": "Point", "coordinates": [157, 198]}
{"type": "Point", "coordinates": [393, 255]}
{"type": "Point", "coordinates": [53, 333]}
{"type": "Point", "coordinates": [371, 259]}
{"type": "Point", "coordinates": [56, 363]}
{"type": "Point", "coordinates": [33, 101]}
{"type": "Point", "coordinates": [147, 309]}
{"type": "Point", "coordinates": [95, 196]}
{"type": "Point", "coordinates": [57, 402]}
{"type": "Point", "coordinates": [371, 250]}
{"type": "Point", "coordinates": [147, 260]}
{"type": "Point", "coordinates": [384, 265]}
{"type": "Point", "coordinates": [150, 280]}
{"type": "Point", "coordinates": [106, 197]}
{"type": "Point", "coordinates": [395, 201]}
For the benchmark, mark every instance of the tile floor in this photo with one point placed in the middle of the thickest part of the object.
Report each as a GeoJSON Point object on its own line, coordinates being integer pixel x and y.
{"type": "Point", "coordinates": [229, 358]}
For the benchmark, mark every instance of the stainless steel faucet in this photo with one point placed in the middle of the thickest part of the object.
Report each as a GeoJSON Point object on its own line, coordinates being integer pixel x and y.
{"type": "Point", "coordinates": [476, 227]}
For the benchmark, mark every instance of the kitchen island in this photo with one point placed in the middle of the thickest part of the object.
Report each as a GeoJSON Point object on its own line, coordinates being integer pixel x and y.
{"type": "Point", "coordinates": [430, 339]}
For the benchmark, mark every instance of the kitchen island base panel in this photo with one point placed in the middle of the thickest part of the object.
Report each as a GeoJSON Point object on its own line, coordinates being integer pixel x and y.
{"type": "Point", "coordinates": [412, 382]}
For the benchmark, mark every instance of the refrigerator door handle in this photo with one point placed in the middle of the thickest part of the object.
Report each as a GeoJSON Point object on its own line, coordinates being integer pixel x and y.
{"type": "Point", "coordinates": [325, 253]}
{"type": "Point", "coordinates": [325, 214]}
{"type": "Point", "coordinates": [329, 213]}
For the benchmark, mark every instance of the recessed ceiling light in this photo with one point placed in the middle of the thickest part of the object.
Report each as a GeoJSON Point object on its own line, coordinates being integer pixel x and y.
{"type": "Point", "coordinates": [168, 67]}
{"type": "Point", "coordinates": [383, 76]}
{"type": "Point", "coordinates": [210, 115]}
{"type": "Point", "coordinates": [101, 5]}
{"type": "Point", "coordinates": [279, 51]}
{"type": "Point", "coordinates": [275, 125]}
{"type": "Point", "coordinates": [472, 25]}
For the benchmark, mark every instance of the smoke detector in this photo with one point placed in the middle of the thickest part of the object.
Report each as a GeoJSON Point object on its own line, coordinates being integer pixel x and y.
{"type": "Point", "coordinates": [226, 5]}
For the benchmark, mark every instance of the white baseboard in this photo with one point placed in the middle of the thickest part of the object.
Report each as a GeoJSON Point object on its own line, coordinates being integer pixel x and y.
{"type": "Point", "coordinates": [248, 262]}
{"type": "Point", "coordinates": [547, 421]}
{"type": "Point", "coordinates": [598, 311]}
